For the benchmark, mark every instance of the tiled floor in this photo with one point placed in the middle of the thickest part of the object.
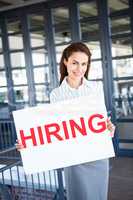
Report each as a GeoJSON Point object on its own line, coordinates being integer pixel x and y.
{"type": "Point", "coordinates": [121, 179]}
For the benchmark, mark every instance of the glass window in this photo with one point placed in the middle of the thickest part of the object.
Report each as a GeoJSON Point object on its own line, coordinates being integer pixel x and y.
{"type": "Point", "coordinates": [41, 75]}
{"type": "Point", "coordinates": [37, 38]}
{"type": "Point", "coordinates": [59, 49]}
{"type": "Point", "coordinates": [60, 15]}
{"type": "Point", "coordinates": [21, 93]}
{"type": "Point", "coordinates": [120, 26]}
{"type": "Point", "coordinates": [123, 133]}
{"type": "Point", "coordinates": [1, 61]}
{"type": "Point", "coordinates": [61, 25]}
{"type": "Point", "coordinates": [36, 21]}
{"type": "Point", "coordinates": [14, 26]}
{"type": "Point", "coordinates": [39, 57]}
{"type": "Point", "coordinates": [42, 92]}
{"type": "Point", "coordinates": [58, 72]}
{"type": "Point", "coordinates": [95, 49]}
{"type": "Point", "coordinates": [126, 145]}
{"type": "Point", "coordinates": [95, 71]}
{"type": "Point", "coordinates": [123, 98]}
{"type": "Point", "coordinates": [3, 95]}
{"type": "Point", "coordinates": [117, 5]}
{"type": "Point", "coordinates": [89, 31]}
{"type": "Point", "coordinates": [17, 59]}
{"type": "Point", "coordinates": [123, 67]}
{"type": "Point", "coordinates": [87, 9]}
{"type": "Point", "coordinates": [62, 35]}
{"type": "Point", "coordinates": [3, 78]}
{"type": "Point", "coordinates": [121, 46]}
{"type": "Point", "coordinates": [15, 42]}
{"type": "Point", "coordinates": [19, 77]}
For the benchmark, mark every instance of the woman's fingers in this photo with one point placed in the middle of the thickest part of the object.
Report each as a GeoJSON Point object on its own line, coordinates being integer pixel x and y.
{"type": "Point", "coordinates": [110, 127]}
{"type": "Point", "coordinates": [18, 145]}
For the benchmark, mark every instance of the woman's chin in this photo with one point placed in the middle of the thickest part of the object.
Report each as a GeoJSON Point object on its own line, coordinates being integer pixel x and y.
{"type": "Point", "coordinates": [78, 76]}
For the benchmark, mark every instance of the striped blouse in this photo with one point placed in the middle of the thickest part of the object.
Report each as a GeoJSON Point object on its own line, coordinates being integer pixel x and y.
{"type": "Point", "coordinates": [87, 88]}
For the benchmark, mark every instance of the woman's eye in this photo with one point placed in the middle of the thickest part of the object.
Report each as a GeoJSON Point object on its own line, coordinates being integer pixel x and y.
{"type": "Point", "coordinates": [84, 64]}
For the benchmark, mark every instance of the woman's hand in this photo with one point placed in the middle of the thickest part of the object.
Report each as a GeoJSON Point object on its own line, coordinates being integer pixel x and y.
{"type": "Point", "coordinates": [110, 127]}
{"type": "Point", "coordinates": [18, 145]}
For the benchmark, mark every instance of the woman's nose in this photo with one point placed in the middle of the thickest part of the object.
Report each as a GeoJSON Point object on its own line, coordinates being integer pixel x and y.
{"type": "Point", "coordinates": [79, 67]}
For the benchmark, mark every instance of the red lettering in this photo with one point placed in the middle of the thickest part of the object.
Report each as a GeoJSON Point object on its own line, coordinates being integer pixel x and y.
{"type": "Point", "coordinates": [53, 130]}
{"type": "Point", "coordinates": [81, 129]}
{"type": "Point", "coordinates": [65, 130]}
{"type": "Point", "coordinates": [24, 138]}
{"type": "Point", "coordinates": [101, 124]}
{"type": "Point", "coordinates": [40, 135]}
{"type": "Point", "coordinates": [54, 133]}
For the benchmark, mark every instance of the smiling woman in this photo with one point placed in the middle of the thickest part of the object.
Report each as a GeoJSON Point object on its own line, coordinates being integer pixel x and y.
{"type": "Point", "coordinates": [89, 180]}
{"type": "Point", "coordinates": [75, 61]}
{"type": "Point", "coordinates": [76, 67]}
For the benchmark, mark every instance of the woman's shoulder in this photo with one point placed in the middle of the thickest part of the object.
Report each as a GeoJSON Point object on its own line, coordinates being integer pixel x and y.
{"type": "Point", "coordinates": [55, 93]}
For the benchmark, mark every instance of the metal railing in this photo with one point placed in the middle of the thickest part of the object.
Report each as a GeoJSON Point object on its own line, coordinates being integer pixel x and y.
{"type": "Point", "coordinates": [14, 184]}
{"type": "Point", "coordinates": [7, 134]}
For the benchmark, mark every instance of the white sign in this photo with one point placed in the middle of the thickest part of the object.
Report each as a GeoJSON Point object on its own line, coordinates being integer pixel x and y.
{"type": "Point", "coordinates": [63, 134]}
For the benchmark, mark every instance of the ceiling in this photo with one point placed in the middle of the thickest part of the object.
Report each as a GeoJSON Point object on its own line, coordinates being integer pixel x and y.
{"type": "Point", "coordinates": [61, 18]}
{"type": "Point", "coordinates": [10, 4]}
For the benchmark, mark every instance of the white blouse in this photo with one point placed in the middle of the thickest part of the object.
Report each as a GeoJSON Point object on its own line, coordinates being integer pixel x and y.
{"type": "Point", "coordinates": [87, 88]}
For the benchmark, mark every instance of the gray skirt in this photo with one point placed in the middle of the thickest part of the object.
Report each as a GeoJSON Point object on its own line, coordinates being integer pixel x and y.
{"type": "Point", "coordinates": [87, 181]}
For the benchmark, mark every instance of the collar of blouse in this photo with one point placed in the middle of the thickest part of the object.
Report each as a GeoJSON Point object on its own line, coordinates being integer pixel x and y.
{"type": "Point", "coordinates": [66, 85]}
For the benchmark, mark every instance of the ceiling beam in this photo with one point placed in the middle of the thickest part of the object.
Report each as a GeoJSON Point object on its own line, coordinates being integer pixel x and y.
{"type": "Point", "coordinates": [13, 2]}
{"type": "Point", "coordinates": [19, 4]}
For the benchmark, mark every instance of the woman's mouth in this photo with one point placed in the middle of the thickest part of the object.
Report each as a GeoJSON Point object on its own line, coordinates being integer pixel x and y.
{"type": "Point", "coordinates": [77, 73]}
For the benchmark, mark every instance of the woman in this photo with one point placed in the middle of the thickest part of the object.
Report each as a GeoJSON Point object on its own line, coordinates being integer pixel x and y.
{"type": "Point", "coordinates": [87, 181]}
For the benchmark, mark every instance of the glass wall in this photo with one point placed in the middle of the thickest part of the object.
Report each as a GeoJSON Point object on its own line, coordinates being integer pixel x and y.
{"type": "Point", "coordinates": [122, 64]}
{"type": "Point", "coordinates": [21, 67]}
{"type": "Point", "coordinates": [122, 59]}
{"type": "Point", "coordinates": [17, 60]}
{"type": "Point", "coordinates": [39, 51]}
{"type": "Point", "coordinates": [90, 35]}
{"type": "Point", "coordinates": [62, 32]}
{"type": "Point", "coordinates": [3, 82]}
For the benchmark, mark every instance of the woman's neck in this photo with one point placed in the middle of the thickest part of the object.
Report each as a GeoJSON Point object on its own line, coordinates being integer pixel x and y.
{"type": "Point", "coordinates": [74, 83]}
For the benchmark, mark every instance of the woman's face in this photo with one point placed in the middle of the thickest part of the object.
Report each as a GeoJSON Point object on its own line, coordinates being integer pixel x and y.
{"type": "Point", "coordinates": [76, 65]}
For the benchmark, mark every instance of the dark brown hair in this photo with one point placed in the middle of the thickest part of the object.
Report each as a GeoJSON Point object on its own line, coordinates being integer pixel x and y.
{"type": "Point", "coordinates": [68, 51]}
